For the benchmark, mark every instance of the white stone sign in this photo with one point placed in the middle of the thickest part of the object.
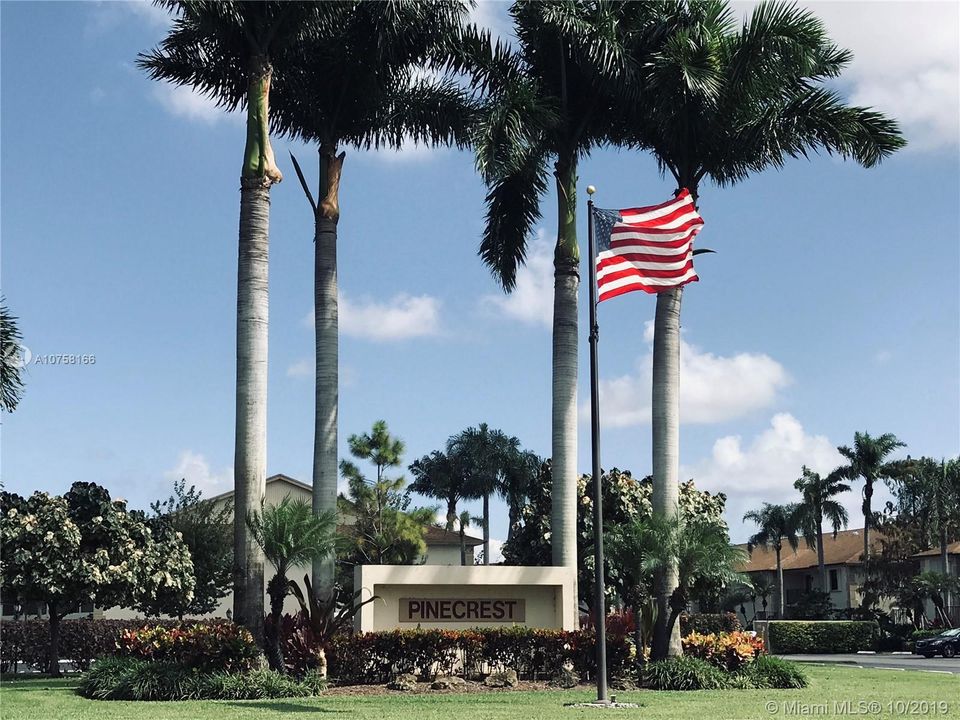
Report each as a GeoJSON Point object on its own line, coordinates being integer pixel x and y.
{"type": "Point", "coordinates": [456, 598]}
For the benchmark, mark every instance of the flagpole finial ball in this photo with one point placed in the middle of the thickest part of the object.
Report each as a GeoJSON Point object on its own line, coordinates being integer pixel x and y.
{"type": "Point", "coordinates": [591, 189]}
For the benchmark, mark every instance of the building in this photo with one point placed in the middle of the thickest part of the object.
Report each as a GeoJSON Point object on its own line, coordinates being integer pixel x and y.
{"type": "Point", "coordinates": [801, 574]}
{"type": "Point", "coordinates": [842, 559]}
{"type": "Point", "coordinates": [932, 561]}
{"type": "Point", "coordinates": [443, 548]}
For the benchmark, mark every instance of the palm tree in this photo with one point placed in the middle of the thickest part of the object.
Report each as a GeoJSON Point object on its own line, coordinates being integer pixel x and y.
{"type": "Point", "coordinates": [11, 362]}
{"type": "Point", "coordinates": [867, 460]}
{"type": "Point", "coordinates": [486, 455]}
{"type": "Point", "coordinates": [547, 105]}
{"type": "Point", "coordinates": [442, 476]}
{"type": "Point", "coordinates": [226, 50]}
{"type": "Point", "coordinates": [518, 475]}
{"type": "Point", "coordinates": [290, 536]}
{"type": "Point", "coordinates": [463, 522]}
{"type": "Point", "coordinates": [777, 524]}
{"type": "Point", "coordinates": [359, 82]}
{"type": "Point", "coordinates": [762, 588]}
{"type": "Point", "coordinates": [818, 505]}
{"type": "Point", "coordinates": [722, 103]}
{"type": "Point", "coordinates": [700, 551]}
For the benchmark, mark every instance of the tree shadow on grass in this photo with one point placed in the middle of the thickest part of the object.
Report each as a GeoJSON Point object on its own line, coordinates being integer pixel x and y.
{"type": "Point", "coordinates": [283, 707]}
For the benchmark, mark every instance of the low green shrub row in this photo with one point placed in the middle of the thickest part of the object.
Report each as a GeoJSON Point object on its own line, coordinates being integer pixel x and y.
{"type": "Point", "coordinates": [129, 678]}
{"type": "Point", "coordinates": [924, 634]}
{"type": "Point", "coordinates": [375, 658]}
{"type": "Point", "coordinates": [788, 637]}
{"type": "Point", "coordinates": [691, 673]}
{"type": "Point", "coordinates": [709, 623]}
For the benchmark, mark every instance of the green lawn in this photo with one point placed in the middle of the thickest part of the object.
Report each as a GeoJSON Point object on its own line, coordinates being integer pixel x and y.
{"type": "Point", "coordinates": [894, 691]}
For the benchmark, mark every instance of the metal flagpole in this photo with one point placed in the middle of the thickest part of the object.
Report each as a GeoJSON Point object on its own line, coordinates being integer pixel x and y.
{"type": "Point", "coordinates": [600, 623]}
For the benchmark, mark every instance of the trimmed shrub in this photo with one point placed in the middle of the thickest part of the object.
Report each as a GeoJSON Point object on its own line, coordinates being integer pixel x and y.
{"type": "Point", "coordinates": [209, 647]}
{"type": "Point", "coordinates": [821, 636]}
{"type": "Point", "coordinates": [924, 634]}
{"type": "Point", "coordinates": [684, 673]}
{"type": "Point", "coordinates": [375, 658]}
{"type": "Point", "coordinates": [129, 678]}
{"type": "Point", "coordinates": [728, 651]}
{"type": "Point", "coordinates": [709, 623]}
{"type": "Point", "coordinates": [773, 672]}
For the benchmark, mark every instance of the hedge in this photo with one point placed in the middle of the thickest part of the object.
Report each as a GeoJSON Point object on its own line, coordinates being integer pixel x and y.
{"type": "Point", "coordinates": [81, 641]}
{"type": "Point", "coordinates": [709, 623]}
{"type": "Point", "coordinates": [787, 637]}
{"type": "Point", "coordinates": [376, 657]}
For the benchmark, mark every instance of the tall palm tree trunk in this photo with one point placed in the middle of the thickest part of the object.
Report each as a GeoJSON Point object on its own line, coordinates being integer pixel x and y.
{"type": "Point", "coordinates": [821, 562]}
{"type": "Point", "coordinates": [666, 449]}
{"type": "Point", "coordinates": [780, 593]}
{"type": "Point", "coordinates": [565, 358]}
{"type": "Point", "coordinates": [250, 458]}
{"type": "Point", "coordinates": [325, 308]}
{"type": "Point", "coordinates": [867, 517]}
{"type": "Point", "coordinates": [486, 528]}
{"type": "Point", "coordinates": [451, 514]}
{"type": "Point", "coordinates": [250, 451]}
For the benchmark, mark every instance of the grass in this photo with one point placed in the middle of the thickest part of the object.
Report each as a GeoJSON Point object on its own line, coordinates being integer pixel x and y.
{"type": "Point", "coordinates": [56, 700]}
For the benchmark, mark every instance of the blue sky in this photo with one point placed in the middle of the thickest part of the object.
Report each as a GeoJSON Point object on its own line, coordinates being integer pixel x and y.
{"type": "Point", "coordinates": [831, 305]}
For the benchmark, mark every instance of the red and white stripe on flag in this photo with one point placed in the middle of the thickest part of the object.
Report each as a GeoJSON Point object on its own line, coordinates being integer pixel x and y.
{"type": "Point", "coordinates": [648, 248]}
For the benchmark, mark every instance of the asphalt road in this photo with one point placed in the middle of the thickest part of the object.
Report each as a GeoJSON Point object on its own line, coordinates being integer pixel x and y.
{"type": "Point", "coordinates": [886, 661]}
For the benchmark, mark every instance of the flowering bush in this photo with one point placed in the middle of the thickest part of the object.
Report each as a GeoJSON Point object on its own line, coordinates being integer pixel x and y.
{"type": "Point", "coordinates": [208, 647]}
{"type": "Point", "coordinates": [730, 651]}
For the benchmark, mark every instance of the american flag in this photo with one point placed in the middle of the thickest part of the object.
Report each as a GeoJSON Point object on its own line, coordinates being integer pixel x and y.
{"type": "Point", "coordinates": [646, 248]}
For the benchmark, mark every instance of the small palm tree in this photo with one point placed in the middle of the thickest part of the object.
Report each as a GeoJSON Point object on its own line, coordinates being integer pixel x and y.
{"type": "Point", "coordinates": [700, 552]}
{"type": "Point", "coordinates": [868, 460]}
{"type": "Point", "coordinates": [777, 524]}
{"type": "Point", "coordinates": [762, 588]}
{"type": "Point", "coordinates": [290, 536]}
{"type": "Point", "coordinates": [464, 519]}
{"type": "Point", "coordinates": [818, 505]}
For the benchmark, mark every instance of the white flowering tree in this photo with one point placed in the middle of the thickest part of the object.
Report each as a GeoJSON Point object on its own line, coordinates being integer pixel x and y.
{"type": "Point", "coordinates": [84, 547]}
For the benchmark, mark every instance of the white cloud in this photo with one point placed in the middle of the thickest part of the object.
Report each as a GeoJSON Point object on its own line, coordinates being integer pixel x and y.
{"type": "Point", "coordinates": [182, 102]}
{"type": "Point", "coordinates": [400, 318]}
{"type": "Point", "coordinates": [301, 368]}
{"type": "Point", "coordinates": [713, 388]}
{"type": "Point", "coordinates": [765, 468]}
{"type": "Point", "coordinates": [531, 301]}
{"type": "Point", "coordinates": [195, 469]}
{"type": "Point", "coordinates": [409, 151]}
{"type": "Point", "coordinates": [305, 368]}
{"type": "Point", "coordinates": [493, 15]}
{"type": "Point", "coordinates": [106, 17]}
{"type": "Point", "coordinates": [882, 357]}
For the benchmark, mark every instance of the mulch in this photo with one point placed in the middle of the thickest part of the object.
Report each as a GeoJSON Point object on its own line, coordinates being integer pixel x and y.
{"type": "Point", "coordinates": [425, 689]}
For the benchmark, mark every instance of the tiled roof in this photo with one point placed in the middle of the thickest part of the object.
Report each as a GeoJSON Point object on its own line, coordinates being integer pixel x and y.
{"type": "Point", "coordinates": [844, 549]}
{"type": "Point", "coordinates": [952, 549]}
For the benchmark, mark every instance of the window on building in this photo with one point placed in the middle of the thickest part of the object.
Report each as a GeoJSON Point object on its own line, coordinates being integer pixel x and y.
{"type": "Point", "coordinates": [834, 580]}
